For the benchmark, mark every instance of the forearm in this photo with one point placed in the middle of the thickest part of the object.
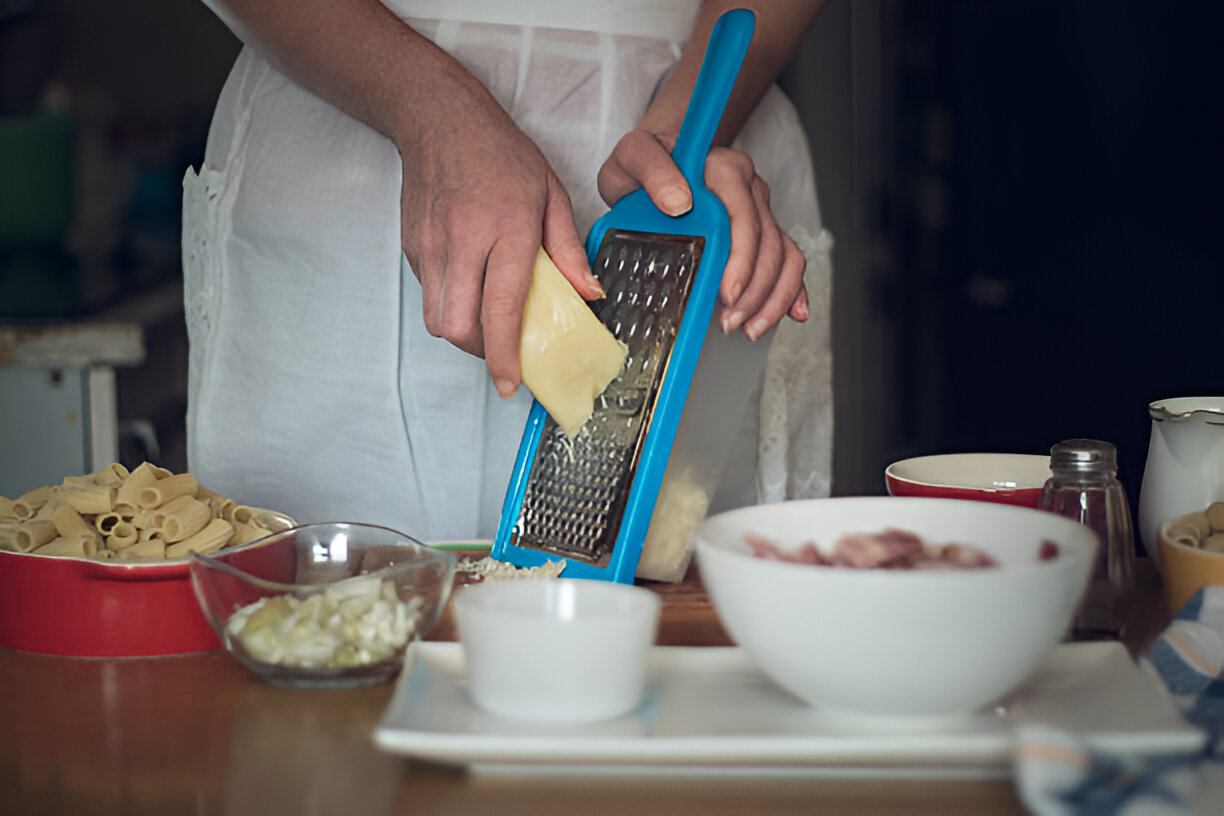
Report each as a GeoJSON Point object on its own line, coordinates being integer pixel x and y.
{"type": "Point", "coordinates": [358, 56]}
{"type": "Point", "coordinates": [478, 198]}
{"type": "Point", "coordinates": [779, 26]}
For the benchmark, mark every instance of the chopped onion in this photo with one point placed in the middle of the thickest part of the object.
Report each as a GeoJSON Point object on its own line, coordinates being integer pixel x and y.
{"type": "Point", "coordinates": [354, 622]}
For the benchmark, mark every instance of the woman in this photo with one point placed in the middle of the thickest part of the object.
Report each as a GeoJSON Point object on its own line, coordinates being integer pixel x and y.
{"type": "Point", "coordinates": [359, 241]}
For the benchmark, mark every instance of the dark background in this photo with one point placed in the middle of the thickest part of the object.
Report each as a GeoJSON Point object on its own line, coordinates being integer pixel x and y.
{"type": "Point", "coordinates": [1023, 195]}
{"type": "Point", "coordinates": [1073, 274]}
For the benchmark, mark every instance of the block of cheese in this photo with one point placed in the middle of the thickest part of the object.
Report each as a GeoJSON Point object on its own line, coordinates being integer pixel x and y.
{"type": "Point", "coordinates": [568, 356]}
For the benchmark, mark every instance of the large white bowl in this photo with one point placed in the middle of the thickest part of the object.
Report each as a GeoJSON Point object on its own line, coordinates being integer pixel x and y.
{"type": "Point", "coordinates": [890, 642]}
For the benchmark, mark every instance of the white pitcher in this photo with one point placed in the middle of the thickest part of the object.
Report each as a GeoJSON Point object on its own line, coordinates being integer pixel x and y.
{"type": "Point", "coordinates": [1184, 471]}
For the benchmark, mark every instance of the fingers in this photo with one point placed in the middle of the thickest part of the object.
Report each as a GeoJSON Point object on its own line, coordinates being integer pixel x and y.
{"type": "Point", "coordinates": [428, 261]}
{"type": "Point", "coordinates": [451, 291]}
{"type": "Point", "coordinates": [506, 281]}
{"type": "Point", "coordinates": [640, 159]}
{"type": "Point", "coordinates": [799, 308]}
{"type": "Point", "coordinates": [561, 242]}
{"type": "Point", "coordinates": [729, 175]}
{"type": "Point", "coordinates": [763, 279]}
{"type": "Point", "coordinates": [476, 209]}
{"type": "Point", "coordinates": [474, 281]}
{"type": "Point", "coordinates": [778, 275]}
{"type": "Point", "coordinates": [789, 296]}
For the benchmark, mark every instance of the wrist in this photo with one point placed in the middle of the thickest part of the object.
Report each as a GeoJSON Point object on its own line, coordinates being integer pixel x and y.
{"type": "Point", "coordinates": [438, 101]}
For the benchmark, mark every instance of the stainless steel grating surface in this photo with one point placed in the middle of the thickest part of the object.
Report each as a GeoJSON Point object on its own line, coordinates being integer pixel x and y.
{"type": "Point", "coordinates": [577, 489]}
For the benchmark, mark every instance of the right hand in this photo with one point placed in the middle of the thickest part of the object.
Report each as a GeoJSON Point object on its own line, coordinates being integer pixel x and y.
{"type": "Point", "coordinates": [478, 201]}
{"type": "Point", "coordinates": [763, 278]}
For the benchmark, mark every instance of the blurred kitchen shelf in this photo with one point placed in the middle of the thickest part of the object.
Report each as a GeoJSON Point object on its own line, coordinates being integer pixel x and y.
{"type": "Point", "coordinates": [107, 386]}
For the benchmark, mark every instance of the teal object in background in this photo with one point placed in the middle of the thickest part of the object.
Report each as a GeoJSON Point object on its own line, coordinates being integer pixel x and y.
{"type": "Point", "coordinates": [36, 179]}
{"type": "Point", "coordinates": [37, 277]}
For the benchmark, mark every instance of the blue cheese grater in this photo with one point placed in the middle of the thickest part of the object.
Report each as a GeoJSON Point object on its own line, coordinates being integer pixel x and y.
{"type": "Point", "coordinates": [589, 500]}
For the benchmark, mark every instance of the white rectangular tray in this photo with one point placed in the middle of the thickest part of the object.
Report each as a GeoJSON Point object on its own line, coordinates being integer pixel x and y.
{"type": "Point", "coordinates": [710, 707]}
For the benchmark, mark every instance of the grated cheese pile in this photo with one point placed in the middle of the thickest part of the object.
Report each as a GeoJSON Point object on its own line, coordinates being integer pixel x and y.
{"type": "Point", "coordinates": [489, 568]}
{"type": "Point", "coordinates": [682, 504]}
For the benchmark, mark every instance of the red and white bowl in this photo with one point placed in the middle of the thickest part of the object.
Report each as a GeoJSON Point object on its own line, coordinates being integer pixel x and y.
{"type": "Point", "coordinates": [80, 607]}
{"type": "Point", "coordinates": [1004, 478]}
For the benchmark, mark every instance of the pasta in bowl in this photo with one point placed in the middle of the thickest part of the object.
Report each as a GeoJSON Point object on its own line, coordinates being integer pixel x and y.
{"type": "Point", "coordinates": [146, 514]}
{"type": "Point", "coordinates": [96, 566]}
{"type": "Point", "coordinates": [328, 605]}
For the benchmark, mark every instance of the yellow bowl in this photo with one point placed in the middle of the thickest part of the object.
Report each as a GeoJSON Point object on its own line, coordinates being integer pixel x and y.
{"type": "Point", "coordinates": [1186, 569]}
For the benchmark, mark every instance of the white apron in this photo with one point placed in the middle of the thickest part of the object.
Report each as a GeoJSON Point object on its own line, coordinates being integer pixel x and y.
{"type": "Point", "coordinates": [315, 389]}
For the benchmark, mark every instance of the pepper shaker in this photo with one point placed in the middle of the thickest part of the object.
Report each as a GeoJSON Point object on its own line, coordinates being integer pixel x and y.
{"type": "Point", "coordinates": [1084, 486]}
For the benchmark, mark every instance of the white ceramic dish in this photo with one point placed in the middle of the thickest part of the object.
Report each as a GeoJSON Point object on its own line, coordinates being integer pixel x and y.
{"type": "Point", "coordinates": [897, 642]}
{"type": "Point", "coordinates": [711, 708]}
{"type": "Point", "coordinates": [556, 651]}
{"type": "Point", "coordinates": [1184, 469]}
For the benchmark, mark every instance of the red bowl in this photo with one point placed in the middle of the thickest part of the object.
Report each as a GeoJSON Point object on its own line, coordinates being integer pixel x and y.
{"type": "Point", "coordinates": [83, 608]}
{"type": "Point", "coordinates": [1005, 478]}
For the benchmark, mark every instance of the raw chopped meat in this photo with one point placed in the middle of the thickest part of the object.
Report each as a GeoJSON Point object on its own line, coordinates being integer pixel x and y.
{"type": "Point", "coordinates": [889, 549]}
{"type": "Point", "coordinates": [886, 549]}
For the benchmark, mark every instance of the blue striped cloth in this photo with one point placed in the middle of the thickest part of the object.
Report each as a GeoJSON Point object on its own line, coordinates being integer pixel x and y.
{"type": "Point", "coordinates": [1058, 775]}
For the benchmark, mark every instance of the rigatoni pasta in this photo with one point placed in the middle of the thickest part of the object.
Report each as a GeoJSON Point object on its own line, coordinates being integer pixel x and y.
{"type": "Point", "coordinates": [25, 506]}
{"type": "Point", "coordinates": [75, 546]}
{"type": "Point", "coordinates": [149, 549]}
{"type": "Point", "coordinates": [69, 522]}
{"type": "Point", "coordinates": [33, 534]}
{"type": "Point", "coordinates": [122, 535]}
{"type": "Point", "coordinates": [186, 520]}
{"type": "Point", "coordinates": [129, 489]}
{"type": "Point", "coordinates": [166, 490]}
{"type": "Point", "coordinates": [87, 498]}
{"type": "Point", "coordinates": [221, 506]}
{"type": "Point", "coordinates": [213, 537]}
{"type": "Point", "coordinates": [246, 532]}
{"type": "Point", "coordinates": [149, 513]}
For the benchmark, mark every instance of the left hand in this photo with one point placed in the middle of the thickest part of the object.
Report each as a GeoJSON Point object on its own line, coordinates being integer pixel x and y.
{"type": "Point", "coordinates": [763, 279]}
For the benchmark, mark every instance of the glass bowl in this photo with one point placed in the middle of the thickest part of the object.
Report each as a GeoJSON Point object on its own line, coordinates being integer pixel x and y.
{"type": "Point", "coordinates": [324, 605]}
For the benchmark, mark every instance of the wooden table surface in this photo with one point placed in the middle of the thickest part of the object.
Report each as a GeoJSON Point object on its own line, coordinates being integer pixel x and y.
{"type": "Point", "coordinates": [201, 735]}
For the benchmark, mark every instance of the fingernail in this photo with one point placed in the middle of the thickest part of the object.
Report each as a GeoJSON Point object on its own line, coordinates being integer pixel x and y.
{"type": "Point", "coordinates": [801, 311]}
{"type": "Point", "coordinates": [732, 321]}
{"type": "Point", "coordinates": [505, 388]}
{"type": "Point", "coordinates": [598, 288]}
{"type": "Point", "coordinates": [756, 329]}
{"type": "Point", "coordinates": [675, 201]}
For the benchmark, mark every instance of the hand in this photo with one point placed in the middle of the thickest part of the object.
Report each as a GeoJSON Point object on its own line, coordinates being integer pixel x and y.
{"type": "Point", "coordinates": [478, 201]}
{"type": "Point", "coordinates": [763, 279]}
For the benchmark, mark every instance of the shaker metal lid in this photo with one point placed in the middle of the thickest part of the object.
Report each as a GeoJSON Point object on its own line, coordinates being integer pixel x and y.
{"type": "Point", "coordinates": [1083, 454]}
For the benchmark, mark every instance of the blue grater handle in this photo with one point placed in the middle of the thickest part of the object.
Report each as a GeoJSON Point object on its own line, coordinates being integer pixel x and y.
{"type": "Point", "coordinates": [636, 213]}
{"type": "Point", "coordinates": [725, 52]}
